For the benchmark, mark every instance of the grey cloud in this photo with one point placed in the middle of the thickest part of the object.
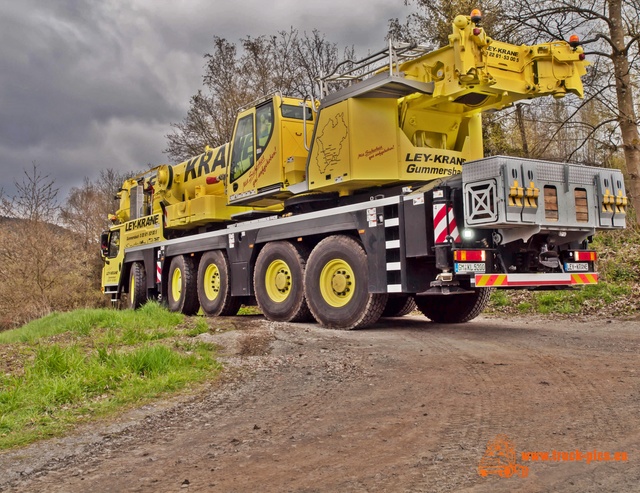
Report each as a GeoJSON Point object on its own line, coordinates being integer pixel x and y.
{"type": "Point", "coordinates": [87, 85]}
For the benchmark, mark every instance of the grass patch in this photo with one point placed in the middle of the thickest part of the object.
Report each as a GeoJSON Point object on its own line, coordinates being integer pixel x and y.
{"type": "Point", "coordinates": [151, 318]}
{"type": "Point", "coordinates": [249, 310]}
{"type": "Point", "coordinates": [591, 298]}
{"type": "Point", "coordinates": [616, 294]}
{"type": "Point", "coordinates": [604, 298]}
{"type": "Point", "coordinates": [92, 363]}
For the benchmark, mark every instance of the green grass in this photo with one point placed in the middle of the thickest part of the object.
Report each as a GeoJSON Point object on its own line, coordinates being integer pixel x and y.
{"type": "Point", "coordinates": [616, 293]}
{"type": "Point", "coordinates": [83, 322]}
{"type": "Point", "coordinates": [573, 302]}
{"type": "Point", "coordinates": [91, 363]}
{"type": "Point", "coordinates": [249, 310]}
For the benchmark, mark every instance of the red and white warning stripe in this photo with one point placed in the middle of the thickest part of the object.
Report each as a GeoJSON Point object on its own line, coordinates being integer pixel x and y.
{"type": "Point", "coordinates": [444, 224]}
{"type": "Point", "coordinates": [520, 280]}
{"type": "Point", "coordinates": [158, 271]}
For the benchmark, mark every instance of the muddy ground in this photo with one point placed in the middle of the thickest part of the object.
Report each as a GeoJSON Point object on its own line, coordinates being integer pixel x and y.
{"type": "Point", "coordinates": [407, 406]}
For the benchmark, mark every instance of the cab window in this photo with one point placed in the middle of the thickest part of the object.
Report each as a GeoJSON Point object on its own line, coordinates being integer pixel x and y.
{"type": "Point", "coordinates": [114, 243]}
{"type": "Point", "coordinates": [264, 118]}
{"type": "Point", "coordinates": [296, 112]}
{"type": "Point", "coordinates": [242, 157]}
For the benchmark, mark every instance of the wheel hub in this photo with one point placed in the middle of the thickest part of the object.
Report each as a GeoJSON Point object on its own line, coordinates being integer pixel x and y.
{"type": "Point", "coordinates": [176, 284]}
{"type": "Point", "coordinates": [283, 281]}
{"type": "Point", "coordinates": [340, 282]}
{"type": "Point", "coordinates": [212, 282]}
{"type": "Point", "coordinates": [278, 280]}
{"type": "Point", "coordinates": [337, 283]}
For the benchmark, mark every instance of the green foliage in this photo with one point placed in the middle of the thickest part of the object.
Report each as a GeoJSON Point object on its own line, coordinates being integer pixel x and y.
{"type": "Point", "coordinates": [201, 327]}
{"type": "Point", "coordinates": [616, 293]}
{"type": "Point", "coordinates": [569, 302]}
{"type": "Point", "coordinates": [134, 326]}
{"type": "Point", "coordinates": [249, 310]}
{"type": "Point", "coordinates": [92, 363]}
{"type": "Point", "coordinates": [603, 298]}
{"type": "Point", "coordinates": [500, 298]}
{"type": "Point", "coordinates": [619, 255]}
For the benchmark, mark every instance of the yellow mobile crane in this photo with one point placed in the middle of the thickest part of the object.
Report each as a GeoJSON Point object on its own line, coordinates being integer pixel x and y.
{"type": "Point", "coordinates": [372, 200]}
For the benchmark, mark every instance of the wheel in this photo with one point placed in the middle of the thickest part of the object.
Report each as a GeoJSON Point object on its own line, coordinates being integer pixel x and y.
{"type": "Point", "coordinates": [182, 294]}
{"type": "Point", "coordinates": [214, 286]}
{"type": "Point", "coordinates": [507, 472]}
{"type": "Point", "coordinates": [278, 281]}
{"type": "Point", "coordinates": [455, 308]}
{"type": "Point", "coordinates": [399, 306]}
{"type": "Point", "coordinates": [137, 286]}
{"type": "Point", "coordinates": [336, 284]}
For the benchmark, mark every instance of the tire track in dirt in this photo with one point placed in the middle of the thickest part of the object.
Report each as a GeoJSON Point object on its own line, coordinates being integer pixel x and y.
{"type": "Point", "coordinates": [405, 406]}
{"type": "Point", "coordinates": [479, 417]}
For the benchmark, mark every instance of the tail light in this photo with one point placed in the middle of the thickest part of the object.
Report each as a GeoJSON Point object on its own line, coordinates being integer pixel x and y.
{"type": "Point", "coordinates": [469, 255]}
{"type": "Point", "coordinates": [585, 256]}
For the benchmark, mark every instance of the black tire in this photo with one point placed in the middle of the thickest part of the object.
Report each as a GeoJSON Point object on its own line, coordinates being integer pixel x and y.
{"type": "Point", "coordinates": [454, 308]}
{"type": "Point", "coordinates": [137, 286]}
{"type": "Point", "coordinates": [399, 306]}
{"type": "Point", "coordinates": [182, 291]}
{"type": "Point", "coordinates": [336, 284]}
{"type": "Point", "coordinates": [214, 285]}
{"type": "Point", "coordinates": [278, 281]}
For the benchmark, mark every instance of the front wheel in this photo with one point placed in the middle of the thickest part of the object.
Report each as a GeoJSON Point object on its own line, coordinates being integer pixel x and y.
{"type": "Point", "coordinates": [182, 295]}
{"type": "Point", "coordinates": [137, 286]}
{"type": "Point", "coordinates": [454, 308]}
{"type": "Point", "coordinates": [336, 285]}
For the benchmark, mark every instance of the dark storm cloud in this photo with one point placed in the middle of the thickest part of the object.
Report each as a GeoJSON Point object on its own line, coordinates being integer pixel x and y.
{"type": "Point", "coordinates": [91, 85]}
{"type": "Point", "coordinates": [62, 70]}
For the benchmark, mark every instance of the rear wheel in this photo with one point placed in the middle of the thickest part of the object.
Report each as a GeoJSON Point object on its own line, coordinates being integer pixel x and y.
{"type": "Point", "coordinates": [278, 282]}
{"type": "Point", "coordinates": [399, 306]}
{"type": "Point", "coordinates": [137, 286]}
{"type": "Point", "coordinates": [455, 308]}
{"type": "Point", "coordinates": [214, 287]}
{"type": "Point", "coordinates": [336, 285]}
{"type": "Point", "coordinates": [182, 295]}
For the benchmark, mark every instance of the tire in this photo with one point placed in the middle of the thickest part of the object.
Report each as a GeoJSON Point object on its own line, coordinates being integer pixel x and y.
{"type": "Point", "coordinates": [278, 282]}
{"type": "Point", "coordinates": [399, 306]}
{"type": "Point", "coordinates": [137, 286]}
{"type": "Point", "coordinates": [182, 292]}
{"type": "Point", "coordinates": [214, 285]}
{"type": "Point", "coordinates": [455, 308]}
{"type": "Point", "coordinates": [336, 284]}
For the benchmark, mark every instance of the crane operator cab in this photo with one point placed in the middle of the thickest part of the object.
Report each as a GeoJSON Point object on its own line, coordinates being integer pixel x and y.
{"type": "Point", "coordinates": [268, 151]}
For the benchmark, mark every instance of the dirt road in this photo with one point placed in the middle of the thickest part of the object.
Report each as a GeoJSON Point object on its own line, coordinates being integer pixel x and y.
{"type": "Point", "coordinates": [407, 406]}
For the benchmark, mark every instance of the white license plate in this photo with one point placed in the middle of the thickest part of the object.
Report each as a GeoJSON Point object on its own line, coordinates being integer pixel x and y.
{"type": "Point", "coordinates": [471, 267]}
{"type": "Point", "coordinates": [576, 266]}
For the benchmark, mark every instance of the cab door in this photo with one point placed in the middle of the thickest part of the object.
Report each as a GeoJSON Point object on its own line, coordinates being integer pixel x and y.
{"type": "Point", "coordinates": [256, 170]}
{"type": "Point", "coordinates": [112, 256]}
{"type": "Point", "coordinates": [242, 173]}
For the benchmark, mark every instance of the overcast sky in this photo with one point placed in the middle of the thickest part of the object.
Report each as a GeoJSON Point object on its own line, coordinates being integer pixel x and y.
{"type": "Point", "coordinates": [86, 85]}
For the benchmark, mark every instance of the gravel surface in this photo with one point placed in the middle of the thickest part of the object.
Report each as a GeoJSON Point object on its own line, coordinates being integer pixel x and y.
{"type": "Point", "coordinates": [407, 406]}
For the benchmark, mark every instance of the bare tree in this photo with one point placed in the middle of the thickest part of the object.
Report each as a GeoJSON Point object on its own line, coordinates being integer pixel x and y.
{"type": "Point", "coordinates": [289, 62]}
{"type": "Point", "coordinates": [431, 21]}
{"type": "Point", "coordinates": [610, 29]}
{"type": "Point", "coordinates": [35, 199]}
{"type": "Point", "coordinates": [44, 266]}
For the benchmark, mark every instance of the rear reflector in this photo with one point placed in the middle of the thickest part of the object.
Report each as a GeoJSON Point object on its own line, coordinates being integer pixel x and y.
{"type": "Point", "coordinates": [585, 256]}
{"type": "Point", "coordinates": [469, 255]}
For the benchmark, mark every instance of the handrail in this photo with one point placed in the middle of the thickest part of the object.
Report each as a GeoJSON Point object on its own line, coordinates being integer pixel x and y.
{"type": "Point", "coordinates": [388, 59]}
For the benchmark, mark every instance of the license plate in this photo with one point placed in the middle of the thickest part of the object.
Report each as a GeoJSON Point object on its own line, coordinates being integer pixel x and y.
{"type": "Point", "coordinates": [576, 266]}
{"type": "Point", "coordinates": [471, 267]}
